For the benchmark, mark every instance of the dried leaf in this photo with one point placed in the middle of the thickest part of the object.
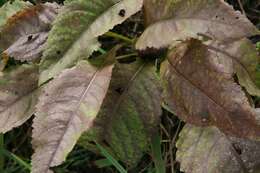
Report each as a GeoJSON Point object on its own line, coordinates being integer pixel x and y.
{"type": "Point", "coordinates": [130, 112]}
{"type": "Point", "coordinates": [75, 32]}
{"type": "Point", "coordinates": [67, 108]}
{"type": "Point", "coordinates": [156, 10]}
{"type": "Point", "coordinates": [208, 20]}
{"type": "Point", "coordinates": [24, 34]}
{"type": "Point", "coordinates": [17, 103]}
{"type": "Point", "coordinates": [245, 59]}
{"type": "Point", "coordinates": [207, 150]}
{"type": "Point", "coordinates": [200, 88]}
{"type": "Point", "coordinates": [10, 8]}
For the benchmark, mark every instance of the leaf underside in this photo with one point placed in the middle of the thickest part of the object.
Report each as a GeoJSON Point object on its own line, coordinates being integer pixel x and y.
{"type": "Point", "coordinates": [17, 103]}
{"type": "Point", "coordinates": [67, 107]}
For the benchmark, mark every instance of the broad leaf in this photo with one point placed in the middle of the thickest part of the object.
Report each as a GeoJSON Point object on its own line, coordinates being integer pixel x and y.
{"type": "Point", "coordinates": [156, 10]}
{"type": "Point", "coordinates": [130, 112]}
{"type": "Point", "coordinates": [67, 107]}
{"type": "Point", "coordinates": [200, 88]}
{"type": "Point", "coordinates": [10, 8]}
{"type": "Point", "coordinates": [75, 32]}
{"type": "Point", "coordinates": [18, 96]}
{"type": "Point", "coordinates": [24, 34]}
{"type": "Point", "coordinates": [207, 20]}
{"type": "Point", "coordinates": [245, 58]}
{"type": "Point", "coordinates": [207, 150]}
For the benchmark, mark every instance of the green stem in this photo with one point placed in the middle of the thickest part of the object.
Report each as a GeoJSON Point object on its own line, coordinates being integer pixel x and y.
{"type": "Point", "coordinates": [119, 36]}
{"type": "Point", "coordinates": [126, 56]}
{"type": "Point", "coordinates": [1, 152]}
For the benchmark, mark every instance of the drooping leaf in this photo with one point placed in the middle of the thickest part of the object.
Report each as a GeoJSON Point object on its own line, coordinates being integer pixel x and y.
{"type": "Point", "coordinates": [208, 20]}
{"type": "Point", "coordinates": [130, 112]}
{"type": "Point", "coordinates": [67, 107]}
{"type": "Point", "coordinates": [18, 96]}
{"type": "Point", "coordinates": [200, 88]}
{"type": "Point", "coordinates": [24, 34]}
{"type": "Point", "coordinates": [10, 8]}
{"type": "Point", "coordinates": [75, 32]}
{"type": "Point", "coordinates": [207, 150]}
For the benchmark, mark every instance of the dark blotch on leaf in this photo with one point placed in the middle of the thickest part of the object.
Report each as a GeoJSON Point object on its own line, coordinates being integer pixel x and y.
{"type": "Point", "coordinates": [58, 52]}
{"type": "Point", "coordinates": [122, 13]}
{"type": "Point", "coordinates": [119, 90]}
{"type": "Point", "coordinates": [30, 37]}
{"type": "Point", "coordinates": [237, 149]}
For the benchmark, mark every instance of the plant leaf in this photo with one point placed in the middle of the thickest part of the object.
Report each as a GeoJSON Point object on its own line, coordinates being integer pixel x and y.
{"type": "Point", "coordinates": [156, 10]}
{"type": "Point", "coordinates": [10, 8]}
{"type": "Point", "coordinates": [67, 108]}
{"type": "Point", "coordinates": [207, 20]}
{"type": "Point", "coordinates": [24, 34]}
{"type": "Point", "coordinates": [245, 59]}
{"type": "Point", "coordinates": [207, 150]}
{"type": "Point", "coordinates": [75, 32]}
{"type": "Point", "coordinates": [199, 88]}
{"type": "Point", "coordinates": [17, 103]}
{"type": "Point", "coordinates": [130, 112]}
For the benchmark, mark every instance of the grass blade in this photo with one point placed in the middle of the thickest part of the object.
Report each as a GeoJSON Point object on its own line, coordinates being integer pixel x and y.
{"type": "Point", "coordinates": [111, 159]}
{"type": "Point", "coordinates": [157, 154]}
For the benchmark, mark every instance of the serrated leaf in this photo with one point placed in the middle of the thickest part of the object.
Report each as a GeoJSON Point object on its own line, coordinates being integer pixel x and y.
{"type": "Point", "coordinates": [200, 88]}
{"type": "Point", "coordinates": [207, 150]}
{"type": "Point", "coordinates": [10, 8]}
{"type": "Point", "coordinates": [67, 108]}
{"type": "Point", "coordinates": [24, 34]}
{"type": "Point", "coordinates": [208, 20]}
{"type": "Point", "coordinates": [130, 112]}
{"type": "Point", "coordinates": [17, 103]}
{"type": "Point", "coordinates": [75, 32]}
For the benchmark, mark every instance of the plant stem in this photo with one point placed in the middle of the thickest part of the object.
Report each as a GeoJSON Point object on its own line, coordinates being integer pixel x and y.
{"type": "Point", "coordinates": [119, 36]}
{"type": "Point", "coordinates": [1, 152]}
{"type": "Point", "coordinates": [127, 56]}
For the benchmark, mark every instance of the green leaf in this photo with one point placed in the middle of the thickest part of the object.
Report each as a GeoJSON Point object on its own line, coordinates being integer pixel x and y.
{"type": "Point", "coordinates": [130, 112]}
{"type": "Point", "coordinates": [67, 107]}
{"type": "Point", "coordinates": [201, 149]}
{"type": "Point", "coordinates": [18, 96]}
{"type": "Point", "coordinates": [75, 31]}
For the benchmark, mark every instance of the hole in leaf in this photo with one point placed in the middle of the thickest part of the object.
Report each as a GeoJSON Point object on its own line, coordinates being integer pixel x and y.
{"type": "Point", "coordinates": [122, 13]}
{"type": "Point", "coordinates": [58, 52]}
{"type": "Point", "coordinates": [237, 149]}
{"type": "Point", "coordinates": [29, 37]}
